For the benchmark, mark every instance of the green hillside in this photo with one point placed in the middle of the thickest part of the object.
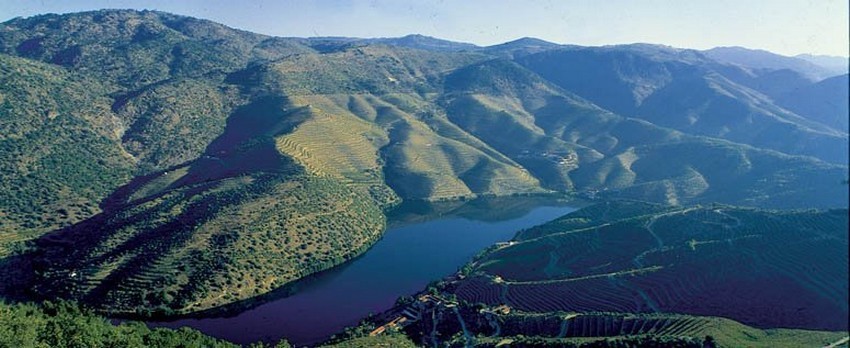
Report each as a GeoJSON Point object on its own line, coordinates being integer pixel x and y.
{"type": "Point", "coordinates": [158, 164]}
{"type": "Point", "coordinates": [66, 325]}
{"type": "Point", "coordinates": [625, 273]}
{"type": "Point", "coordinates": [571, 144]}
{"type": "Point", "coordinates": [773, 269]}
{"type": "Point", "coordinates": [486, 328]}
{"type": "Point", "coordinates": [59, 148]}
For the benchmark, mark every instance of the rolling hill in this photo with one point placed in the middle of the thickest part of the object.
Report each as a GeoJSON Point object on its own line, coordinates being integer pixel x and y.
{"type": "Point", "coordinates": [156, 164]}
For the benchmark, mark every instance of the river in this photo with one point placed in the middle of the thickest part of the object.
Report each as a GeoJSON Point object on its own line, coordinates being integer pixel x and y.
{"type": "Point", "coordinates": [424, 242]}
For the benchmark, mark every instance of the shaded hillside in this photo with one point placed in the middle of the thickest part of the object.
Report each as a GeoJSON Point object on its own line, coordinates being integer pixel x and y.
{"type": "Point", "coordinates": [684, 90]}
{"type": "Point", "coordinates": [773, 269]}
{"type": "Point", "coordinates": [240, 221]}
{"type": "Point", "coordinates": [476, 325]}
{"type": "Point", "coordinates": [825, 102]}
{"type": "Point", "coordinates": [571, 144]}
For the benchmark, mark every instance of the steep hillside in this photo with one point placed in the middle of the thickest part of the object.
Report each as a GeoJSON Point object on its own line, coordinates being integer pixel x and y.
{"type": "Point", "coordinates": [210, 186]}
{"type": "Point", "coordinates": [59, 145]}
{"type": "Point", "coordinates": [240, 221]}
{"type": "Point", "coordinates": [825, 102]}
{"type": "Point", "coordinates": [571, 144]}
{"type": "Point", "coordinates": [159, 164]}
{"type": "Point", "coordinates": [374, 114]}
{"type": "Point", "coordinates": [627, 273]}
{"type": "Point", "coordinates": [773, 269]}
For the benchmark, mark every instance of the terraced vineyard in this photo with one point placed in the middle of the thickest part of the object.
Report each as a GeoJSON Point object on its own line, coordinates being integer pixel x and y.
{"type": "Point", "coordinates": [466, 324]}
{"type": "Point", "coordinates": [761, 268]}
{"type": "Point", "coordinates": [234, 239]}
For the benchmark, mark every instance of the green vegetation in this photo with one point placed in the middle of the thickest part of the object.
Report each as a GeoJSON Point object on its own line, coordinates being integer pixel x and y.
{"type": "Point", "coordinates": [63, 324]}
{"type": "Point", "coordinates": [230, 240]}
{"type": "Point", "coordinates": [662, 259]}
{"type": "Point", "coordinates": [172, 123]}
{"type": "Point", "coordinates": [58, 153]}
{"type": "Point", "coordinates": [388, 341]}
{"type": "Point", "coordinates": [478, 325]}
{"type": "Point", "coordinates": [626, 273]}
{"type": "Point", "coordinates": [641, 341]}
{"type": "Point", "coordinates": [570, 144]}
{"type": "Point", "coordinates": [182, 165]}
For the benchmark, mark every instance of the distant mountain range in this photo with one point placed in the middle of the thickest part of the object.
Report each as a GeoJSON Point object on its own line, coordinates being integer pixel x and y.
{"type": "Point", "coordinates": [813, 67]}
{"type": "Point", "coordinates": [150, 142]}
{"type": "Point", "coordinates": [833, 63]}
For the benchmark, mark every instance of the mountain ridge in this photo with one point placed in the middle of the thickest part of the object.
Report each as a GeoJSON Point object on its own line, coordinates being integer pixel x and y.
{"type": "Point", "coordinates": [761, 59]}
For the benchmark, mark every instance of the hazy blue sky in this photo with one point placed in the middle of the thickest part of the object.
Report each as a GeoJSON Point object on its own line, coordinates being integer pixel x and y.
{"type": "Point", "coordinates": [782, 26]}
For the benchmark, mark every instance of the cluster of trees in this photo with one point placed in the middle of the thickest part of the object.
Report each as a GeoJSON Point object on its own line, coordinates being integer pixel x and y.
{"type": "Point", "coordinates": [63, 324]}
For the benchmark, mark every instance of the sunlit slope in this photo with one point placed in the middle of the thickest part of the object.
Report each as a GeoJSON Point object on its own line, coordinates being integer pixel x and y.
{"type": "Point", "coordinates": [762, 268]}
{"type": "Point", "coordinates": [134, 49]}
{"type": "Point", "coordinates": [59, 153]}
{"type": "Point", "coordinates": [365, 134]}
{"type": "Point", "coordinates": [162, 75]}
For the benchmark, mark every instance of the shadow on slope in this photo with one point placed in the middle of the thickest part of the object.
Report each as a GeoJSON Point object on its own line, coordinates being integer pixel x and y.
{"type": "Point", "coordinates": [188, 239]}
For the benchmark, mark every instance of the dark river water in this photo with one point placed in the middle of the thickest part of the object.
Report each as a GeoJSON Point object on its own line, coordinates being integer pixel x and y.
{"type": "Point", "coordinates": [424, 242]}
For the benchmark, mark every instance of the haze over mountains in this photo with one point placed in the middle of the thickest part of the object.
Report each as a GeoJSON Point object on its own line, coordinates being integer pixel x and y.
{"type": "Point", "coordinates": [151, 142]}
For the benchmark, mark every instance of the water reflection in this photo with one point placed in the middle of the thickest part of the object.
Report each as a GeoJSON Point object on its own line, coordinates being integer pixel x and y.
{"type": "Point", "coordinates": [424, 242]}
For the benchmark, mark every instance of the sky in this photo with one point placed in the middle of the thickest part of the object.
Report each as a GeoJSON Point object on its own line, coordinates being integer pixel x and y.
{"type": "Point", "coordinates": [787, 27]}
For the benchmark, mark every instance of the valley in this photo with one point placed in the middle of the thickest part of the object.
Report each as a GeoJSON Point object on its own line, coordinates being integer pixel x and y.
{"type": "Point", "coordinates": [611, 271]}
{"type": "Point", "coordinates": [181, 172]}
{"type": "Point", "coordinates": [424, 242]}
